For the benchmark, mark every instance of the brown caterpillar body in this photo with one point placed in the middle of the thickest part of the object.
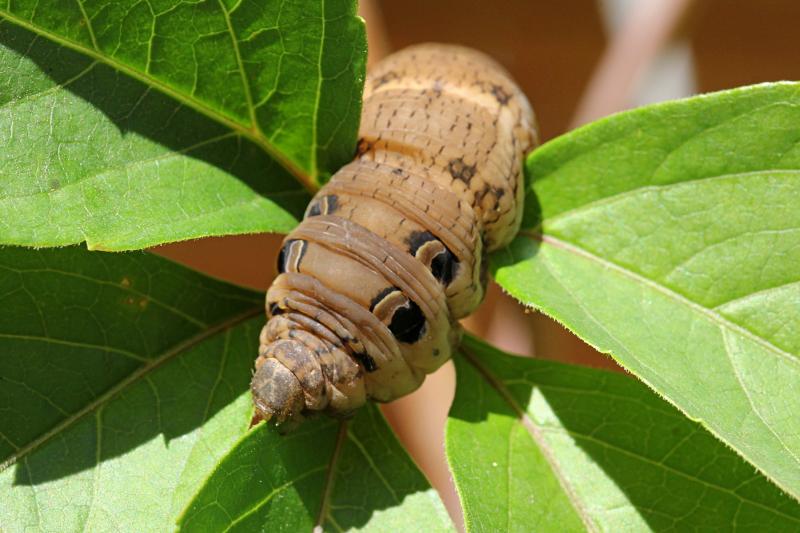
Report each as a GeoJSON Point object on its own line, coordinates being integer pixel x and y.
{"type": "Point", "coordinates": [391, 251]}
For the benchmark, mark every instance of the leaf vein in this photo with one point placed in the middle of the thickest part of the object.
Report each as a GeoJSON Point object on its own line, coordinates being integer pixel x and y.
{"type": "Point", "coordinates": [190, 100]}
{"type": "Point", "coordinates": [141, 373]}
{"type": "Point", "coordinates": [535, 432]}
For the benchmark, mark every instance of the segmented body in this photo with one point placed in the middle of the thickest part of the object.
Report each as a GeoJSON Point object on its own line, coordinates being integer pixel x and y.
{"type": "Point", "coordinates": [391, 252]}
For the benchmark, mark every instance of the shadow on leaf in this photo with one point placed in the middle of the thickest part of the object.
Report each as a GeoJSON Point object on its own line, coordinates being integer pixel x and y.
{"type": "Point", "coordinates": [605, 437]}
{"type": "Point", "coordinates": [82, 385]}
{"type": "Point", "coordinates": [128, 122]}
{"type": "Point", "coordinates": [341, 475]}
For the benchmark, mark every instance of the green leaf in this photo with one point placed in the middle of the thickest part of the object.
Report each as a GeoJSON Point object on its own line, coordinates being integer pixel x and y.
{"type": "Point", "coordinates": [340, 475]}
{"type": "Point", "coordinates": [541, 446]}
{"type": "Point", "coordinates": [124, 379]}
{"type": "Point", "coordinates": [125, 127]}
{"type": "Point", "coordinates": [669, 237]}
{"type": "Point", "coordinates": [87, 154]}
{"type": "Point", "coordinates": [124, 387]}
{"type": "Point", "coordinates": [287, 75]}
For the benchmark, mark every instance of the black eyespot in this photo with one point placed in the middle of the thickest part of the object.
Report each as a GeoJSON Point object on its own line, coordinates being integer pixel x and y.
{"type": "Point", "coordinates": [282, 259]}
{"type": "Point", "coordinates": [444, 267]}
{"type": "Point", "coordinates": [408, 323]}
{"type": "Point", "coordinates": [417, 239]}
{"type": "Point", "coordinates": [327, 205]}
{"type": "Point", "coordinates": [291, 255]}
{"type": "Point", "coordinates": [332, 204]}
{"type": "Point", "coordinates": [484, 272]}
{"type": "Point", "coordinates": [380, 296]}
{"type": "Point", "coordinates": [315, 210]}
{"type": "Point", "coordinates": [366, 361]}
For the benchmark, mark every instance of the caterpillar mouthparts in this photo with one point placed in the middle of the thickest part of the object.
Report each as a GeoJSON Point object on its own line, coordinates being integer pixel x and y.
{"type": "Point", "coordinates": [391, 252]}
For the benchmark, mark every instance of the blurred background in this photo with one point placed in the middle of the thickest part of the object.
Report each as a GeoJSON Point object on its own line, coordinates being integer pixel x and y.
{"type": "Point", "coordinates": [577, 60]}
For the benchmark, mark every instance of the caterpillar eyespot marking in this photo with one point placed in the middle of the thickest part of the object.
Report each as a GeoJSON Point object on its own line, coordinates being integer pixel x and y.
{"type": "Point", "coordinates": [274, 309]}
{"type": "Point", "coordinates": [408, 323]}
{"type": "Point", "coordinates": [426, 247]}
{"type": "Point", "coordinates": [291, 255]}
{"type": "Point", "coordinates": [381, 296]}
{"type": "Point", "coordinates": [391, 252]}
{"type": "Point", "coordinates": [366, 361]}
{"type": "Point", "coordinates": [327, 205]}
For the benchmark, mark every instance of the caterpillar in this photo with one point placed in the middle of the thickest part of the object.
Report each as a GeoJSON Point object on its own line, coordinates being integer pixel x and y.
{"type": "Point", "coordinates": [392, 250]}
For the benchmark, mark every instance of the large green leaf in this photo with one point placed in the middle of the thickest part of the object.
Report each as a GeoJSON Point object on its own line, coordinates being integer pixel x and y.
{"type": "Point", "coordinates": [127, 124]}
{"type": "Point", "coordinates": [124, 386]}
{"type": "Point", "coordinates": [541, 446]}
{"type": "Point", "coordinates": [669, 237]}
{"type": "Point", "coordinates": [342, 476]}
{"type": "Point", "coordinates": [124, 378]}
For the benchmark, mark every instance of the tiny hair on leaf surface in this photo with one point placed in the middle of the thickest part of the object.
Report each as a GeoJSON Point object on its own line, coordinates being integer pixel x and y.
{"type": "Point", "coordinates": [107, 426]}
{"type": "Point", "coordinates": [669, 237]}
{"type": "Point", "coordinates": [213, 125]}
{"type": "Point", "coordinates": [540, 445]}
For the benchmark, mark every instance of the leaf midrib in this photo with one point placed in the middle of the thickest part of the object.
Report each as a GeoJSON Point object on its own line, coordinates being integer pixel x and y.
{"type": "Point", "coordinates": [330, 477]}
{"type": "Point", "coordinates": [606, 200]}
{"type": "Point", "coordinates": [253, 133]}
{"type": "Point", "coordinates": [710, 313]}
{"type": "Point", "coordinates": [534, 432]}
{"type": "Point", "coordinates": [140, 373]}
{"type": "Point", "coordinates": [675, 471]}
{"type": "Point", "coordinates": [534, 429]}
{"type": "Point", "coordinates": [720, 322]}
{"type": "Point", "coordinates": [317, 96]}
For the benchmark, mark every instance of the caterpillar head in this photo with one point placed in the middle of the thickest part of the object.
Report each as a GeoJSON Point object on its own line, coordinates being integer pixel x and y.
{"type": "Point", "coordinates": [303, 367]}
{"type": "Point", "coordinates": [320, 351]}
{"type": "Point", "coordinates": [277, 393]}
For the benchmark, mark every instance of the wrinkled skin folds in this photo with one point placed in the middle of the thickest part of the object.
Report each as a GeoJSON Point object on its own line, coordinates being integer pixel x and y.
{"type": "Point", "coordinates": [391, 252]}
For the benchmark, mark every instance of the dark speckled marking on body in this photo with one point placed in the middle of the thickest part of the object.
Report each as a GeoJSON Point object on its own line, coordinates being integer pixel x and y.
{"type": "Point", "coordinates": [500, 94]}
{"type": "Point", "coordinates": [366, 361]}
{"type": "Point", "coordinates": [460, 170]}
{"type": "Point", "coordinates": [363, 146]}
{"type": "Point", "coordinates": [384, 79]}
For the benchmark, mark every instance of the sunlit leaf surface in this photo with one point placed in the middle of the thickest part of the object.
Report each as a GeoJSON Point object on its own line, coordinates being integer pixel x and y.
{"type": "Point", "coordinates": [130, 124]}
{"type": "Point", "coordinates": [669, 237]}
{"type": "Point", "coordinates": [542, 446]}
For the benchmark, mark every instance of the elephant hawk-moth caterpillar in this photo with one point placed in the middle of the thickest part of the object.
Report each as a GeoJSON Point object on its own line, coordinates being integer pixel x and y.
{"type": "Point", "coordinates": [391, 251]}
